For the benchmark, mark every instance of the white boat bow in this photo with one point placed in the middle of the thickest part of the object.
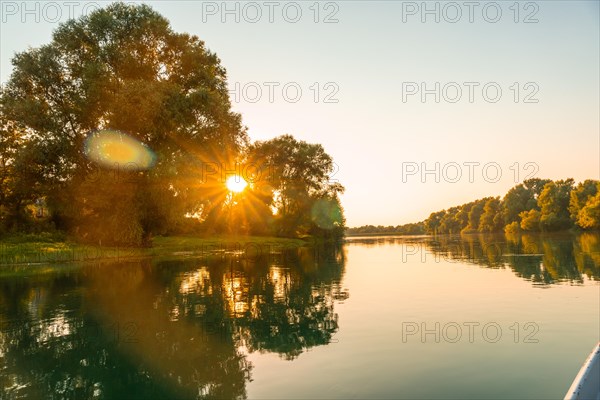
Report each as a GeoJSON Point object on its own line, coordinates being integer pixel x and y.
{"type": "Point", "coordinates": [587, 382]}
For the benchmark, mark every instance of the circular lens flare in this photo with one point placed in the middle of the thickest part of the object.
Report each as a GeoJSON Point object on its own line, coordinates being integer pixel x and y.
{"type": "Point", "coordinates": [236, 183]}
{"type": "Point", "coordinates": [114, 149]}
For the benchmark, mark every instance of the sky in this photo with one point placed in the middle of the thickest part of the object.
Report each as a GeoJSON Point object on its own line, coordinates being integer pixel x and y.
{"type": "Point", "coordinates": [422, 105]}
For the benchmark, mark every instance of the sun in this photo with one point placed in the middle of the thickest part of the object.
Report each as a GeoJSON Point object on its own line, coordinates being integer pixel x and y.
{"type": "Point", "coordinates": [236, 183]}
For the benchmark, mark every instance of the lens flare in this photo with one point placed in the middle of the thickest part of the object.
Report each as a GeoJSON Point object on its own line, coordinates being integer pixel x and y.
{"type": "Point", "coordinates": [114, 149]}
{"type": "Point", "coordinates": [326, 214]}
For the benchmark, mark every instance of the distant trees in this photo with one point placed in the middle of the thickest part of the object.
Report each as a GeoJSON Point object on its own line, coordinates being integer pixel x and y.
{"type": "Point", "coordinates": [407, 229]}
{"type": "Point", "coordinates": [534, 205]}
{"type": "Point", "coordinates": [554, 205]}
{"type": "Point", "coordinates": [434, 222]}
{"type": "Point", "coordinates": [584, 204]}
{"type": "Point", "coordinates": [522, 197]}
{"type": "Point", "coordinates": [589, 216]}
{"type": "Point", "coordinates": [475, 215]}
{"type": "Point", "coordinates": [491, 220]}
{"type": "Point", "coordinates": [530, 220]}
{"type": "Point", "coordinates": [449, 221]}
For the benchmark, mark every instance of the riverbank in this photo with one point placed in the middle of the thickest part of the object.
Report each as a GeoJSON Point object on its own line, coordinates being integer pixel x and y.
{"type": "Point", "coordinates": [45, 248]}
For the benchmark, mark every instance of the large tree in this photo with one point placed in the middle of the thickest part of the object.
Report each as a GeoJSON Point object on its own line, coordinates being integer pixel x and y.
{"type": "Point", "coordinates": [123, 68]}
{"type": "Point", "coordinates": [296, 175]}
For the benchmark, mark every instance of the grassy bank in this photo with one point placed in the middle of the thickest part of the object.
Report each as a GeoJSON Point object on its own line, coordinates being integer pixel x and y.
{"type": "Point", "coordinates": [35, 249]}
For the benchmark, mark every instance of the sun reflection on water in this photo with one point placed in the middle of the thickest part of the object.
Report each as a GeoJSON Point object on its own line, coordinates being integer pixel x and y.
{"type": "Point", "coordinates": [236, 293]}
{"type": "Point", "coordinates": [197, 281]}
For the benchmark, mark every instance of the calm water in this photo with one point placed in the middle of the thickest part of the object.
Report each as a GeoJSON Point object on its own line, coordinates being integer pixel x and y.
{"type": "Point", "coordinates": [477, 317]}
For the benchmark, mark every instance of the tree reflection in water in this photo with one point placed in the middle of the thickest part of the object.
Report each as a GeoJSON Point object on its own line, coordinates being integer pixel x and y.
{"type": "Point", "coordinates": [171, 329]}
{"type": "Point", "coordinates": [543, 259]}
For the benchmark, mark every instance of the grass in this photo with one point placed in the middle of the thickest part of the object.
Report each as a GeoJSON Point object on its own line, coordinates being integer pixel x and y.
{"type": "Point", "coordinates": [35, 249]}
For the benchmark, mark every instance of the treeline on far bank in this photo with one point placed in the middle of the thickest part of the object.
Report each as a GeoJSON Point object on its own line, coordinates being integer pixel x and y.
{"type": "Point", "coordinates": [536, 205]}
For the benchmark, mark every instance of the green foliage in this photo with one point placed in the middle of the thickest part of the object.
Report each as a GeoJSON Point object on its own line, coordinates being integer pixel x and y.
{"type": "Point", "coordinates": [534, 205]}
{"type": "Point", "coordinates": [522, 197]}
{"type": "Point", "coordinates": [491, 219]}
{"type": "Point", "coordinates": [583, 204]}
{"type": "Point", "coordinates": [18, 187]}
{"type": "Point", "coordinates": [450, 222]}
{"type": "Point", "coordinates": [474, 215]}
{"type": "Point", "coordinates": [297, 181]}
{"type": "Point", "coordinates": [122, 68]}
{"type": "Point", "coordinates": [109, 210]}
{"type": "Point", "coordinates": [530, 220]}
{"type": "Point", "coordinates": [434, 222]}
{"type": "Point", "coordinates": [513, 227]}
{"type": "Point", "coordinates": [554, 205]}
{"type": "Point", "coordinates": [589, 216]}
{"type": "Point", "coordinates": [119, 68]}
{"type": "Point", "coordinates": [328, 221]}
{"type": "Point", "coordinates": [463, 215]}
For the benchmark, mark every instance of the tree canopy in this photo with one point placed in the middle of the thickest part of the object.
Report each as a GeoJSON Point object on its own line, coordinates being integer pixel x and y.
{"type": "Point", "coordinates": [112, 124]}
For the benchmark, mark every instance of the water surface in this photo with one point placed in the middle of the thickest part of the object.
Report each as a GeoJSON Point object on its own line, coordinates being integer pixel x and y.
{"type": "Point", "coordinates": [379, 317]}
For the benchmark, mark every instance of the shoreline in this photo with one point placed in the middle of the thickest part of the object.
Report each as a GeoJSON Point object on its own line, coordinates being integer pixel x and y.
{"type": "Point", "coordinates": [34, 250]}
